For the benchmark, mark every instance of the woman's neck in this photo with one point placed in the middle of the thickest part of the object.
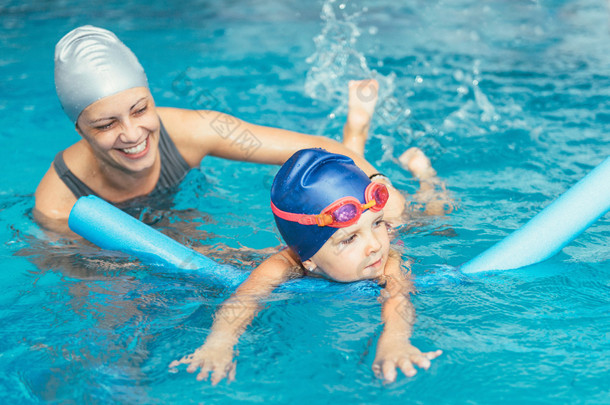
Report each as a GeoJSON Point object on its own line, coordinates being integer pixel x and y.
{"type": "Point", "coordinates": [117, 184]}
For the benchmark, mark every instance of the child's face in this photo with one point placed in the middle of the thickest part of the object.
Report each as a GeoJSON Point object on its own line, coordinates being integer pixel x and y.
{"type": "Point", "coordinates": [357, 252]}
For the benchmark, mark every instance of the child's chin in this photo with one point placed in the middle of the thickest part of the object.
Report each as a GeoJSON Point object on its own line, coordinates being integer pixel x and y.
{"type": "Point", "coordinates": [371, 273]}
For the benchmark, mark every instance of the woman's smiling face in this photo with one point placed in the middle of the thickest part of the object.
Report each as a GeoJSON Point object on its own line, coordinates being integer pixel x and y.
{"type": "Point", "coordinates": [122, 129]}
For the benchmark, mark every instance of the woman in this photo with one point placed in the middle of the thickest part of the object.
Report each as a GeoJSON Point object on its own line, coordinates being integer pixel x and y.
{"type": "Point", "coordinates": [131, 148]}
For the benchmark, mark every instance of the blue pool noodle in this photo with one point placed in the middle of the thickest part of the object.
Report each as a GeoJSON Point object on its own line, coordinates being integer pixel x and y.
{"type": "Point", "coordinates": [552, 228]}
{"type": "Point", "coordinates": [110, 228]}
{"type": "Point", "coordinates": [542, 237]}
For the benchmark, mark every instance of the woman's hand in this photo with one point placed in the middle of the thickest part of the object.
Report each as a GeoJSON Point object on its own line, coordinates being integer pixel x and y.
{"type": "Point", "coordinates": [396, 352]}
{"type": "Point", "coordinates": [212, 357]}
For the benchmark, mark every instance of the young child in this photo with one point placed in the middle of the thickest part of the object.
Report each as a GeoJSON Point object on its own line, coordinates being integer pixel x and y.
{"type": "Point", "coordinates": [354, 250]}
{"type": "Point", "coordinates": [330, 214]}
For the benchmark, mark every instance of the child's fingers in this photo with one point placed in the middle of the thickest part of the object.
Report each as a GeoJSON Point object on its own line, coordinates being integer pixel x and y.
{"type": "Point", "coordinates": [433, 355]}
{"type": "Point", "coordinates": [184, 360]}
{"type": "Point", "coordinates": [388, 369]}
{"type": "Point", "coordinates": [231, 376]}
{"type": "Point", "coordinates": [406, 367]}
{"type": "Point", "coordinates": [421, 361]}
{"type": "Point", "coordinates": [217, 376]}
{"type": "Point", "coordinates": [227, 372]}
{"type": "Point", "coordinates": [205, 371]}
{"type": "Point", "coordinates": [193, 364]}
{"type": "Point", "coordinates": [202, 376]}
{"type": "Point", "coordinates": [377, 370]}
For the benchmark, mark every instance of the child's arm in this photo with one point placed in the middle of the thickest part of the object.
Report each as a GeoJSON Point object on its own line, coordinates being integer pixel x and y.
{"type": "Point", "coordinates": [216, 354]}
{"type": "Point", "coordinates": [237, 256]}
{"type": "Point", "coordinates": [394, 349]}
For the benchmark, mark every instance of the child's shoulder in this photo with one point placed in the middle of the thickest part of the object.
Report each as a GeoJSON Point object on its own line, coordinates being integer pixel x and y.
{"type": "Point", "coordinates": [284, 263]}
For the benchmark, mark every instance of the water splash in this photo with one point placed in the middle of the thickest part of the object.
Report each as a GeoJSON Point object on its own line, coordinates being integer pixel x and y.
{"type": "Point", "coordinates": [478, 111]}
{"type": "Point", "coordinates": [337, 60]}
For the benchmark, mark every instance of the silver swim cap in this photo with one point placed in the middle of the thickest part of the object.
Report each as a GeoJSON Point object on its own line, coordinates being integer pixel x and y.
{"type": "Point", "coordinates": [92, 63]}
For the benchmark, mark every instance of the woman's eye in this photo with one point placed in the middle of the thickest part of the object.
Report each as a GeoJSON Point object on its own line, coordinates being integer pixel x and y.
{"type": "Point", "coordinates": [105, 127]}
{"type": "Point", "coordinates": [141, 110]}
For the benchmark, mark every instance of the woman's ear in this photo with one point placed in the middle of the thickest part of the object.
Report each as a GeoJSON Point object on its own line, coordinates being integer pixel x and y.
{"type": "Point", "coordinates": [77, 128]}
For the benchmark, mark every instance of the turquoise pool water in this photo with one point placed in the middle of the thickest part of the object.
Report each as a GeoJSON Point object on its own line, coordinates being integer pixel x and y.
{"type": "Point", "coordinates": [509, 99]}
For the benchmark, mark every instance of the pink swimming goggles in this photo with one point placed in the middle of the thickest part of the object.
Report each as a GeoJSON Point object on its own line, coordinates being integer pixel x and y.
{"type": "Point", "coordinates": [344, 212]}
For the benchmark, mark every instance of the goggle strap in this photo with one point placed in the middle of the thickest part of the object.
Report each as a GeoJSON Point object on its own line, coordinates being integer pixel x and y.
{"type": "Point", "coordinates": [320, 220]}
{"type": "Point", "coordinates": [288, 216]}
{"type": "Point", "coordinates": [303, 219]}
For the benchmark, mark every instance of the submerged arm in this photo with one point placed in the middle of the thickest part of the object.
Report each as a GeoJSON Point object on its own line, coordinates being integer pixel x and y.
{"type": "Point", "coordinates": [53, 202]}
{"type": "Point", "coordinates": [232, 319]}
{"type": "Point", "coordinates": [394, 348]}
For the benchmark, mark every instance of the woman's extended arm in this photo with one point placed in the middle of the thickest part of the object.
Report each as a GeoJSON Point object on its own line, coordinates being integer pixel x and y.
{"type": "Point", "coordinates": [201, 133]}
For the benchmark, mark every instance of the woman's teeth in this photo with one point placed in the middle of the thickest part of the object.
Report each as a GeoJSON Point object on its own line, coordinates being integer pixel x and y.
{"type": "Point", "coordinates": [136, 149]}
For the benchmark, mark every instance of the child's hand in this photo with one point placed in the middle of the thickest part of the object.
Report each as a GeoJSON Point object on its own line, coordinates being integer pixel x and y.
{"type": "Point", "coordinates": [211, 358]}
{"type": "Point", "coordinates": [393, 353]}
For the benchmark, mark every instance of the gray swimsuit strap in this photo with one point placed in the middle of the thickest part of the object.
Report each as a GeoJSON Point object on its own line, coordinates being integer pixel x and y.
{"type": "Point", "coordinates": [78, 188]}
{"type": "Point", "coordinates": [173, 165]}
{"type": "Point", "coordinates": [173, 168]}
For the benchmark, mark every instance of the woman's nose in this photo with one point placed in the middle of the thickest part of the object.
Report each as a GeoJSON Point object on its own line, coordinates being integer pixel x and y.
{"type": "Point", "coordinates": [129, 131]}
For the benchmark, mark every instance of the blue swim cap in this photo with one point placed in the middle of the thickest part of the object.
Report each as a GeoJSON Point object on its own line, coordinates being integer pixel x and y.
{"type": "Point", "coordinates": [308, 182]}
